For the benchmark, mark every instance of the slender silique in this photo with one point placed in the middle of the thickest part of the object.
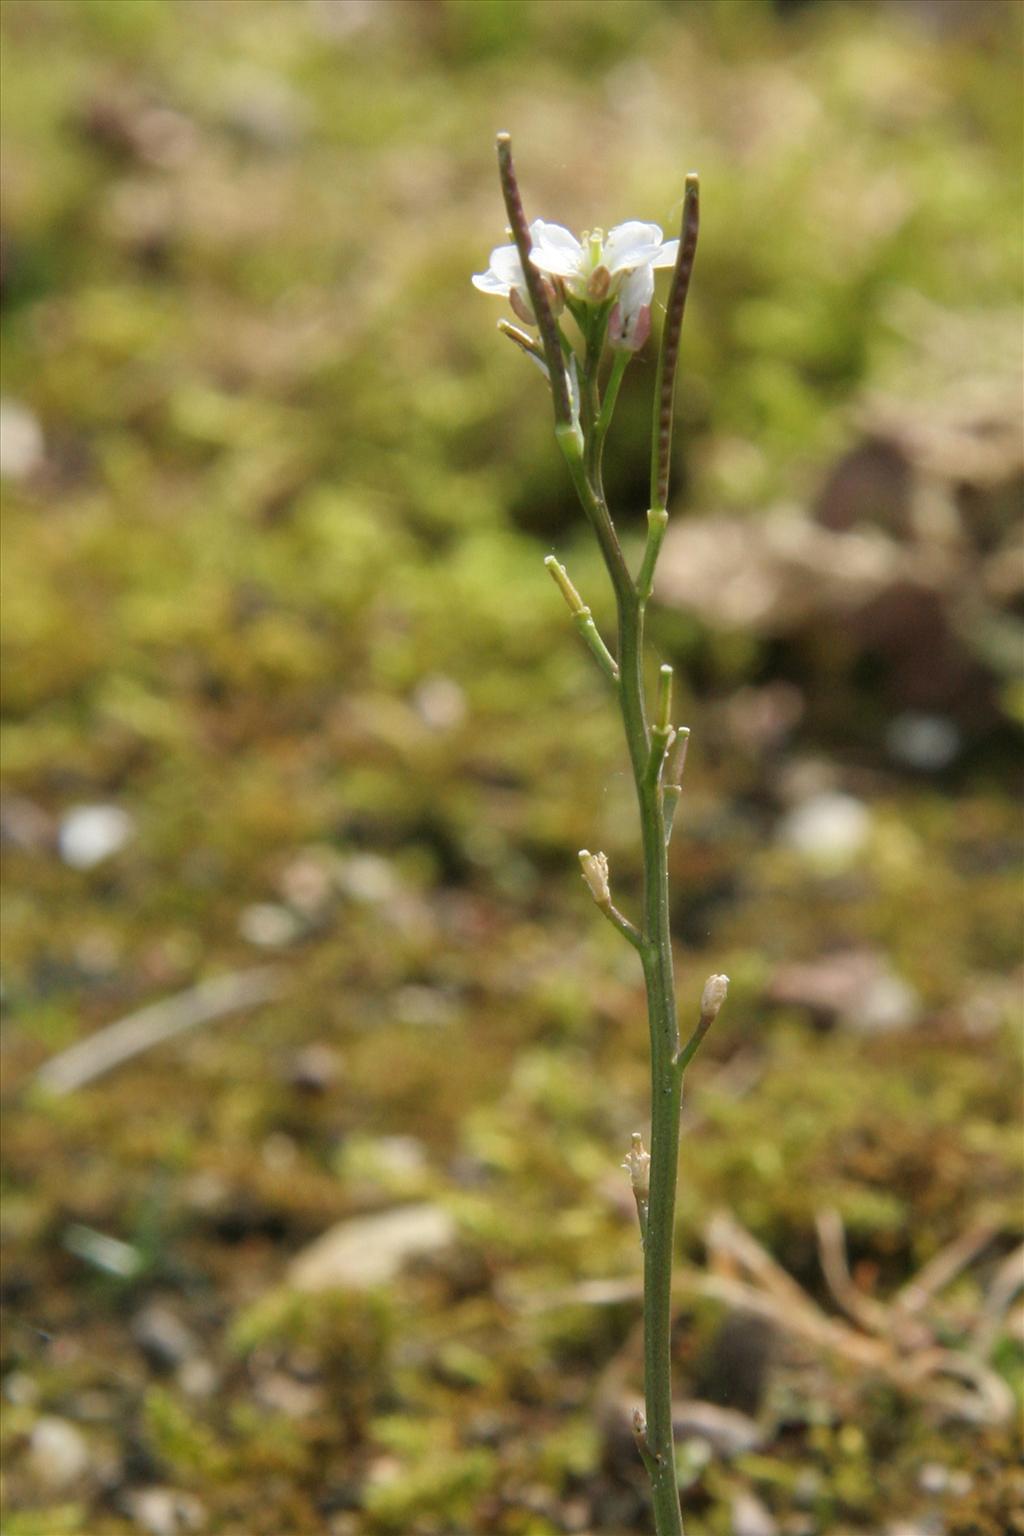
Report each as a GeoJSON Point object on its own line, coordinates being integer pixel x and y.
{"type": "Point", "coordinates": [656, 752]}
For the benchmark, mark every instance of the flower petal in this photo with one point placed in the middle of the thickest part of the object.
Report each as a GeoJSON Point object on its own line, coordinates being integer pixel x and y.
{"type": "Point", "coordinates": [630, 245]}
{"type": "Point", "coordinates": [505, 264]}
{"type": "Point", "coordinates": [555, 249]}
{"type": "Point", "coordinates": [490, 282]}
{"type": "Point", "coordinates": [504, 273]}
{"type": "Point", "coordinates": [636, 292]}
{"type": "Point", "coordinates": [666, 257]}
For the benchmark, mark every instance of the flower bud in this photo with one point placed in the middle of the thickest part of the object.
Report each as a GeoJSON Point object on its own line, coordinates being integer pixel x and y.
{"type": "Point", "coordinates": [519, 301]}
{"type": "Point", "coordinates": [598, 283]}
{"type": "Point", "coordinates": [594, 867]}
{"type": "Point", "coordinates": [627, 333]}
{"type": "Point", "coordinates": [713, 996]}
{"type": "Point", "coordinates": [555, 290]}
{"type": "Point", "coordinates": [638, 1166]}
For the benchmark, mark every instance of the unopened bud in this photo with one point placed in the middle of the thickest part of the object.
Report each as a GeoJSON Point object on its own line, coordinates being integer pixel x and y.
{"type": "Point", "coordinates": [628, 332]}
{"type": "Point", "coordinates": [598, 283]}
{"type": "Point", "coordinates": [594, 867]}
{"type": "Point", "coordinates": [555, 290]}
{"type": "Point", "coordinates": [520, 303]}
{"type": "Point", "coordinates": [713, 996]}
{"type": "Point", "coordinates": [638, 1166]}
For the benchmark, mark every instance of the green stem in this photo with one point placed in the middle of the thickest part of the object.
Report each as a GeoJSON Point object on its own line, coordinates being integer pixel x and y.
{"type": "Point", "coordinates": [620, 362]}
{"type": "Point", "coordinates": [582, 445]}
{"type": "Point", "coordinates": [666, 1078]}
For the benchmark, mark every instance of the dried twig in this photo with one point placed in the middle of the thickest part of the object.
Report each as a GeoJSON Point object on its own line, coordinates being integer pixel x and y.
{"type": "Point", "coordinates": [745, 1277]}
{"type": "Point", "coordinates": [1009, 1279]}
{"type": "Point", "coordinates": [865, 1311]}
{"type": "Point", "coordinates": [138, 1032]}
{"type": "Point", "coordinates": [944, 1267]}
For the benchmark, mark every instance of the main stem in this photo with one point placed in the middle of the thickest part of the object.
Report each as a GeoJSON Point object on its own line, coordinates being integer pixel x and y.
{"type": "Point", "coordinates": [656, 957]}
{"type": "Point", "coordinates": [666, 1078]}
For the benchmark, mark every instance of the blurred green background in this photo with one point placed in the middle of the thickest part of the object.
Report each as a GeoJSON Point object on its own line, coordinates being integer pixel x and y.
{"type": "Point", "coordinates": [287, 691]}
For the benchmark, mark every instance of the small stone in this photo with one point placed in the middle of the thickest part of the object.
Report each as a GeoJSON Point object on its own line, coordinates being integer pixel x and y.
{"type": "Point", "coordinates": [25, 825]}
{"type": "Point", "coordinates": [268, 925]}
{"type": "Point", "coordinates": [829, 830]}
{"type": "Point", "coordinates": [928, 743]}
{"type": "Point", "coordinates": [440, 703]}
{"type": "Point", "coordinates": [727, 1431]}
{"type": "Point", "coordinates": [97, 953]}
{"type": "Point", "coordinates": [933, 1477]}
{"type": "Point", "coordinates": [307, 882]}
{"type": "Point", "coordinates": [264, 109]}
{"type": "Point", "coordinates": [197, 1377]}
{"type": "Point", "coordinates": [163, 1338]}
{"type": "Point", "coordinates": [399, 1155]}
{"type": "Point", "coordinates": [371, 1250]}
{"type": "Point", "coordinates": [315, 1068]}
{"type": "Point", "coordinates": [166, 1511]}
{"type": "Point", "coordinates": [22, 447]}
{"type": "Point", "coordinates": [21, 1389]}
{"type": "Point", "coordinates": [369, 878]}
{"type": "Point", "coordinates": [279, 1154]}
{"type": "Point", "coordinates": [888, 1004]}
{"type": "Point", "coordinates": [58, 1454]}
{"type": "Point", "coordinates": [751, 1518]}
{"type": "Point", "coordinates": [422, 1007]}
{"type": "Point", "coordinates": [282, 1393]}
{"type": "Point", "coordinates": [854, 988]}
{"type": "Point", "coordinates": [90, 834]}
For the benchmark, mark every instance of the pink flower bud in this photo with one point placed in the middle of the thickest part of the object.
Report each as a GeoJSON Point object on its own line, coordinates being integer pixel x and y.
{"type": "Point", "coordinates": [628, 333]}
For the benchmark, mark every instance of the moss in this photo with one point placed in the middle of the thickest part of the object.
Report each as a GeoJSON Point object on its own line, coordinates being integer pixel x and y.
{"type": "Point", "coordinates": [288, 475]}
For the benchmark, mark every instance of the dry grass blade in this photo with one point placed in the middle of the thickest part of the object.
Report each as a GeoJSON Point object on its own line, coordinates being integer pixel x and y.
{"type": "Point", "coordinates": [119, 1042]}
{"type": "Point", "coordinates": [943, 1268]}
{"type": "Point", "coordinates": [863, 1310]}
{"type": "Point", "coordinates": [1009, 1279]}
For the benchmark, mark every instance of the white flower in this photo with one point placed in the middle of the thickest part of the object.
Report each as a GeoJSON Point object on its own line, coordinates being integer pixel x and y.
{"type": "Point", "coordinates": [618, 266]}
{"type": "Point", "coordinates": [505, 276]}
{"type": "Point", "coordinates": [595, 268]}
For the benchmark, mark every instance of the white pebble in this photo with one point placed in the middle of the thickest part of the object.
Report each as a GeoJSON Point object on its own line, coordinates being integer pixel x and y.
{"type": "Point", "coordinates": [89, 834]}
{"type": "Point", "coordinates": [367, 877]}
{"type": "Point", "coordinates": [268, 926]}
{"type": "Point", "coordinates": [440, 703]}
{"type": "Point", "coordinates": [21, 441]}
{"type": "Point", "coordinates": [926, 742]}
{"type": "Point", "coordinates": [167, 1511]}
{"type": "Point", "coordinates": [830, 828]}
{"type": "Point", "coordinates": [58, 1454]}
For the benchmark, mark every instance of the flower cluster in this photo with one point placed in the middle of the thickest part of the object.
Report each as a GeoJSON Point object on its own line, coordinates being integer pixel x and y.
{"type": "Point", "coordinates": [617, 268]}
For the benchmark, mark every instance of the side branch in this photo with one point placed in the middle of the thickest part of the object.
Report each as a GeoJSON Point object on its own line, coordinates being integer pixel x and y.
{"type": "Point", "coordinates": [673, 787]}
{"type": "Point", "coordinates": [594, 869]}
{"type": "Point", "coordinates": [584, 620]}
{"type": "Point", "coordinates": [649, 1460]}
{"type": "Point", "coordinates": [662, 733]}
{"type": "Point", "coordinates": [712, 998]}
